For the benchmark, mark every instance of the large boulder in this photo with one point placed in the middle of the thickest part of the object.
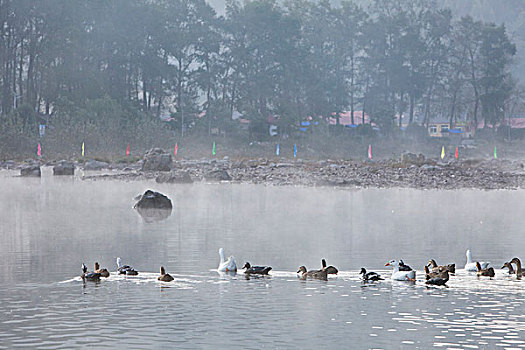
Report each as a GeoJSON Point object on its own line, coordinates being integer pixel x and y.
{"type": "Point", "coordinates": [156, 159]}
{"type": "Point", "coordinates": [181, 177]}
{"type": "Point", "coordinates": [153, 200]}
{"type": "Point", "coordinates": [30, 171]}
{"type": "Point", "coordinates": [64, 168]}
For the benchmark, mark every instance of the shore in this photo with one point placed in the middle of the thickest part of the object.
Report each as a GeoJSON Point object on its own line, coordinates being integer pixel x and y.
{"type": "Point", "coordinates": [410, 171]}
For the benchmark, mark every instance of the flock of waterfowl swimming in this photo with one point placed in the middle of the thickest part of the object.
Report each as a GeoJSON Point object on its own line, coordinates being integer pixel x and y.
{"type": "Point", "coordinates": [434, 274]}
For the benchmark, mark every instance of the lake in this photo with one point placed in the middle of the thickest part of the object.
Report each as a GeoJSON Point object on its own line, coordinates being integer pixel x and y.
{"type": "Point", "coordinates": [51, 225]}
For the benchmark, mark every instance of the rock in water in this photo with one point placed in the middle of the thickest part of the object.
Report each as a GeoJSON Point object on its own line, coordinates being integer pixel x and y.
{"type": "Point", "coordinates": [157, 159]}
{"type": "Point", "coordinates": [153, 200]}
{"type": "Point", "coordinates": [30, 171]}
{"type": "Point", "coordinates": [64, 168]}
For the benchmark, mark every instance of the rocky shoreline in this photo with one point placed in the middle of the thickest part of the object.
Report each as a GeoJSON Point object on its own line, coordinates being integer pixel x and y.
{"type": "Point", "coordinates": [410, 171]}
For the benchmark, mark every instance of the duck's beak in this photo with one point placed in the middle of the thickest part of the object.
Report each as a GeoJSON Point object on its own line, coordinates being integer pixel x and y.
{"type": "Point", "coordinates": [387, 264]}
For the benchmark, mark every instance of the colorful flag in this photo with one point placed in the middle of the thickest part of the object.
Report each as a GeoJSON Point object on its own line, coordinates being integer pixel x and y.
{"type": "Point", "coordinates": [127, 150]}
{"type": "Point", "coordinates": [176, 149]}
{"type": "Point", "coordinates": [295, 150]}
{"type": "Point", "coordinates": [213, 151]}
{"type": "Point", "coordinates": [443, 152]}
{"type": "Point", "coordinates": [457, 153]}
{"type": "Point", "coordinates": [82, 149]}
{"type": "Point", "coordinates": [277, 150]}
{"type": "Point", "coordinates": [39, 151]}
{"type": "Point", "coordinates": [495, 153]}
{"type": "Point", "coordinates": [370, 152]}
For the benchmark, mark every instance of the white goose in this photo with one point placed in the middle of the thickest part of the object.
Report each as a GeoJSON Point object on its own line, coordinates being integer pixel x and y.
{"type": "Point", "coordinates": [471, 265]}
{"type": "Point", "coordinates": [401, 275]}
{"type": "Point", "coordinates": [226, 265]}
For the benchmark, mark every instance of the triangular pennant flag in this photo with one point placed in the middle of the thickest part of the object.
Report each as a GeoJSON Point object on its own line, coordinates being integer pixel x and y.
{"type": "Point", "coordinates": [213, 151]}
{"type": "Point", "coordinates": [39, 151]}
{"type": "Point", "coordinates": [82, 149]}
{"type": "Point", "coordinates": [127, 150]}
{"type": "Point", "coordinates": [295, 150]}
{"type": "Point", "coordinates": [457, 153]}
{"type": "Point", "coordinates": [370, 152]}
{"type": "Point", "coordinates": [176, 149]}
{"type": "Point", "coordinates": [443, 152]}
{"type": "Point", "coordinates": [277, 150]}
{"type": "Point", "coordinates": [495, 153]}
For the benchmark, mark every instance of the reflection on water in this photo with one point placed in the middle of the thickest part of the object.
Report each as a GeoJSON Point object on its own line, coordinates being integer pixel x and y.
{"type": "Point", "coordinates": [50, 226]}
{"type": "Point", "coordinates": [152, 215]}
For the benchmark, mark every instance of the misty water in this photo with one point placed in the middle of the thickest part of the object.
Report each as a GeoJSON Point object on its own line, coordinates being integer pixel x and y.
{"type": "Point", "coordinates": [49, 226]}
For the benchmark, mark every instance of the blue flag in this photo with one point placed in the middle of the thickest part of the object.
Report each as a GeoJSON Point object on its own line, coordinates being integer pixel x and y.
{"type": "Point", "coordinates": [295, 150]}
{"type": "Point", "coordinates": [277, 150]}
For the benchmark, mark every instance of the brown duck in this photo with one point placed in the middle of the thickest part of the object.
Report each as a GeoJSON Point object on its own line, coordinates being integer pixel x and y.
{"type": "Point", "coordinates": [103, 272]}
{"type": "Point", "coordinates": [164, 277]}
{"type": "Point", "coordinates": [489, 271]}
{"type": "Point", "coordinates": [318, 274]}
{"type": "Point", "coordinates": [450, 267]}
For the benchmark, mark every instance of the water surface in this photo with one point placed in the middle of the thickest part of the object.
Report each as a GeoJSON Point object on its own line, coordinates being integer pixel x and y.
{"type": "Point", "coordinates": [51, 225]}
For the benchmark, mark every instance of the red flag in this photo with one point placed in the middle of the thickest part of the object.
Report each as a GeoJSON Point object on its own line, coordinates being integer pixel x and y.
{"type": "Point", "coordinates": [127, 150]}
{"type": "Point", "coordinates": [176, 148]}
{"type": "Point", "coordinates": [457, 153]}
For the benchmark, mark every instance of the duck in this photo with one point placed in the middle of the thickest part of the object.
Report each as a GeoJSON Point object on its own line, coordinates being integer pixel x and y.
{"type": "Point", "coordinates": [450, 267]}
{"type": "Point", "coordinates": [331, 270]}
{"type": "Point", "coordinates": [471, 265]}
{"type": "Point", "coordinates": [164, 277]}
{"type": "Point", "coordinates": [403, 266]}
{"type": "Point", "coordinates": [370, 276]}
{"type": "Point", "coordinates": [103, 272]}
{"type": "Point", "coordinates": [398, 275]}
{"type": "Point", "coordinates": [509, 266]}
{"type": "Point", "coordinates": [125, 269]}
{"type": "Point", "coordinates": [440, 279]}
{"type": "Point", "coordinates": [519, 272]}
{"type": "Point", "coordinates": [489, 271]}
{"type": "Point", "coordinates": [318, 274]}
{"type": "Point", "coordinates": [256, 270]}
{"type": "Point", "coordinates": [226, 265]}
{"type": "Point", "coordinates": [429, 275]}
{"type": "Point", "coordinates": [89, 276]}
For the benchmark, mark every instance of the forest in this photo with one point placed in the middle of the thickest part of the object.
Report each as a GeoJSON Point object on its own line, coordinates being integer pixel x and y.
{"type": "Point", "coordinates": [121, 71]}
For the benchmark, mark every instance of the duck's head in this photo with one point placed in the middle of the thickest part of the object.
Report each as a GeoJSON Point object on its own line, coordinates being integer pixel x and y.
{"type": "Point", "coordinates": [393, 263]}
{"type": "Point", "coordinates": [363, 271]}
{"type": "Point", "coordinates": [162, 271]}
{"type": "Point", "coordinates": [478, 266]}
{"type": "Point", "coordinates": [515, 260]}
{"type": "Point", "coordinates": [84, 268]}
{"type": "Point", "coordinates": [97, 266]}
{"type": "Point", "coordinates": [507, 265]}
{"type": "Point", "coordinates": [323, 263]}
{"type": "Point", "coordinates": [119, 262]}
{"type": "Point", "coordinates": [452, 268]}
{"type": "Point", "coordinates": [468, 254]}
{"type": "Point", "coordinates": [247, 265]}
{"type": "Point", "coordinates": [432, 263]}
{"type": "Point", "coordinates": [427, 271]}
{"type": "Point", "coordinates": [302, 269]}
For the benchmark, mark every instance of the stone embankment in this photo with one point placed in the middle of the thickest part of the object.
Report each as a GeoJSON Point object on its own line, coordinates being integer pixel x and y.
{"type": "Point", "coordinates": [410, 171]}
